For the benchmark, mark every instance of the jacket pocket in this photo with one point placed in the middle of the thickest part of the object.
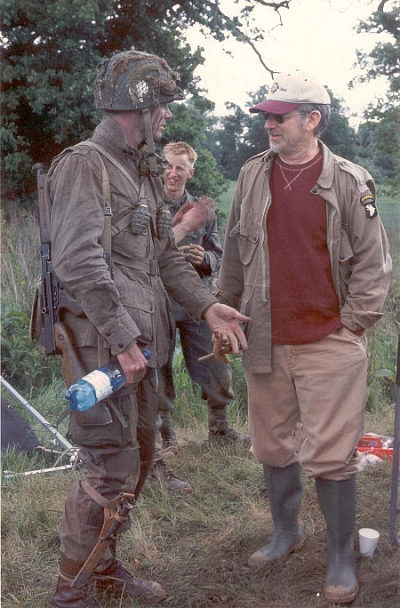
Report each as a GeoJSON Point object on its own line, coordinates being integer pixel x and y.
{"type": "Point", "coordinates": [138, 298]}
{"type": "Point", "coordinates": [247, 244]}
{"type": "Point", "coordinates": [143, 315]}
{"type": "Point", "coordinates": [110, 423]}
{"type": "Point", "coordinates": [98, 415]}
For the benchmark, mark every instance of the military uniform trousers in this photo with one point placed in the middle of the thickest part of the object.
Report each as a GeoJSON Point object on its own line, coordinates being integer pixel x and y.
{"type": "Point", "coordinates": [213, 376]}
{"type": "Point", "coordinates": [116, 453]}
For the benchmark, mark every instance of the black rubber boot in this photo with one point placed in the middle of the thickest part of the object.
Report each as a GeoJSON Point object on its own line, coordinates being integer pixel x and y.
{"type": "Point", "coordinates": [285, 494]}
{"type": "Point", "coordinates": [337, 500]}
{"type": "Point", "coordinates": [172, 482]}
{"type": "Point", "coordinates": [114, 578]}
{"type": "Point", "coordinates": [219, 429]}
{"type": "Point", "coordinates": [72, 597]}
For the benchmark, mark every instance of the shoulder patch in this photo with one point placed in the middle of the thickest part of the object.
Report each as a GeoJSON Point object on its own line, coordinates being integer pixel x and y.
{"type": "Point", "coordinates": [368, 202]}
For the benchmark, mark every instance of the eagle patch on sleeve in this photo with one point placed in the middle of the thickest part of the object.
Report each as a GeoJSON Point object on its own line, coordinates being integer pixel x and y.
{"type": "Point", "coordinates": [368, 202]}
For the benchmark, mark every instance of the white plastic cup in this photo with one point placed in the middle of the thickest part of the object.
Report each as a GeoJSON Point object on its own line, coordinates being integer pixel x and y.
{"type": "Point", "coordinates": [368, 541]}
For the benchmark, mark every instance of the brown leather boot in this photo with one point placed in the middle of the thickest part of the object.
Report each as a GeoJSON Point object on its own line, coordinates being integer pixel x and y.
{"type": "Point", "coordinates": [172, 482]}
{"type": "Point", "coordinates": [115, 578]}
{"type": "Point", "coordinates": [219, 429]}
{"type": "Point", "coordinates": [72, 597]}
{"type": "Point", "coordinates": [167, 432]}
{"type": "Point", "coordinates": [228, 435]}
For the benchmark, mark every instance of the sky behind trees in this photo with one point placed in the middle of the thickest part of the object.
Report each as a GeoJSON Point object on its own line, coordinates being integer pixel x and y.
{"type": "Point", "coordinates": [317, 36]}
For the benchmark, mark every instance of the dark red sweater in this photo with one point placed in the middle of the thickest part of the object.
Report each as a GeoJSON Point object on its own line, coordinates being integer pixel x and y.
{"type": "Point", "coordinates": [304, 304]}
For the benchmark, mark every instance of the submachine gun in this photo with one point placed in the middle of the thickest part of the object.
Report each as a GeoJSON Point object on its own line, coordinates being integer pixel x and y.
{"type": "Point", "coordinates": [51, 297]}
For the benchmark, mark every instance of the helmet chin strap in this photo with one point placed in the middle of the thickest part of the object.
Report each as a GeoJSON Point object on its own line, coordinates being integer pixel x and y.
{"type": "Point", "coordinates": [150, 157]}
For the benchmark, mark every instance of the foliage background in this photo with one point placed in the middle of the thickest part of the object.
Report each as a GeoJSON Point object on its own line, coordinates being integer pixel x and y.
{"type": "Point", "coordinates": [48, 66]}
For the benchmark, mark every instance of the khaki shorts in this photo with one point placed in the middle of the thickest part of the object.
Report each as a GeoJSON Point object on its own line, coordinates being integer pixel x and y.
{"type": "Point", "coordinates": [321, 386]}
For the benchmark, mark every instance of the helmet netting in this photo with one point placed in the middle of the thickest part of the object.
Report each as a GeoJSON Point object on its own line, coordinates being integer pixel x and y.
{"type": "Point", "coordinates": [148, 79]}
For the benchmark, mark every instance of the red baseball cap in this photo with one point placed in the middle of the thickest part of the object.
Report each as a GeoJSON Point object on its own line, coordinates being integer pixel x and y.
{"type": "Point", "coordinates": [274, 106]}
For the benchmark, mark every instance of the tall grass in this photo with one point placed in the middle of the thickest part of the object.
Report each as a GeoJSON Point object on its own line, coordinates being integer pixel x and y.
{"type": "Point", "coordinates": [196, 545]}
{"type": "Point", "coordinates": [20, 261]}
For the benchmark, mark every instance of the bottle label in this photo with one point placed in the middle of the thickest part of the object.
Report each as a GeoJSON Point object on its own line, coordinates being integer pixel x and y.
{"type": "Point", "coordinates": [101, 384]}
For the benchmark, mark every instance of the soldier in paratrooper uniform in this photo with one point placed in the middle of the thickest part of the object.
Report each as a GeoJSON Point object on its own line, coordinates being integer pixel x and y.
{"type": "Point", "coordinates": [124, 307]}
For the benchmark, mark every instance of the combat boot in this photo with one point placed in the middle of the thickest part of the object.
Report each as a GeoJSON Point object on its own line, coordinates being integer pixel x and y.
{"type": "Point", "coordinates": [72, 597]}
{"type": "Point", "coordinates": [219, 429]}
{"type": "Point", "coordinates": [168, 435]}
{"type": "Point", "coordinates": [337, 500]}
{"type": "Point", "coordinates": [163, 473]}
{"type": "Point", "coordinates": [285, 495]}
{"type": "Point", "coordinates": [114, 578]}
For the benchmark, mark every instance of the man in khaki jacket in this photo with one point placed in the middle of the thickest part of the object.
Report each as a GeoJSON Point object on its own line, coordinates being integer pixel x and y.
{"type": "Point", "coordinates": [306, 257]}
{"type": "Point", "coordinates": [124, 308]}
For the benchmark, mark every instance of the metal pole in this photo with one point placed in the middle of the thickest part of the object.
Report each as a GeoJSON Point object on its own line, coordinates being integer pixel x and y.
{"type": "Point", "coordinates": [36, 414]}
{"type": "Point", "coordinates": [394, 495]}
{"type": "Point", "coordinates": [10, 474]}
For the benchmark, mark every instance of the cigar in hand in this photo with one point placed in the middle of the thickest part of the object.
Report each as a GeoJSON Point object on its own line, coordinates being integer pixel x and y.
{"type": "Point", "coordinates": [224, 350]}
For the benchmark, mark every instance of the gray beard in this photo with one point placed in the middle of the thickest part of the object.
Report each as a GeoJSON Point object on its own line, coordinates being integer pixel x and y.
{"type": "Point", "coordinates": [273, 147]}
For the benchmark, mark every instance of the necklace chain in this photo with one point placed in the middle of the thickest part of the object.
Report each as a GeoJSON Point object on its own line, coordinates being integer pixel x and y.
{"type": "Point", "coordinates": [289, 182]}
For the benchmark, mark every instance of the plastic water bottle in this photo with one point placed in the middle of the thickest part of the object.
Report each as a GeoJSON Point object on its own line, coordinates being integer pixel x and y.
{"type": "Point", "coordinates": [98, 385]}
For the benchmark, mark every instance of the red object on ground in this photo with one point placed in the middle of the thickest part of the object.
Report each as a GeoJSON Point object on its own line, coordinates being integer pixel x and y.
{"type": "Point", "coordinates": [374, 444]}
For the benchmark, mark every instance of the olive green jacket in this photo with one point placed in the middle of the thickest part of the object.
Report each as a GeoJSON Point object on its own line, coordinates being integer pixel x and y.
{"type": "Point", "coordinates": [130, 303]}
{"type": "Point", "coordinates": [356, 240]}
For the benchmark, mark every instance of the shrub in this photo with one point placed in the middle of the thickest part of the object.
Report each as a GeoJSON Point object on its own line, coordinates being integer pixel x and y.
{"type": "Point", "coordinates": [23, 365]}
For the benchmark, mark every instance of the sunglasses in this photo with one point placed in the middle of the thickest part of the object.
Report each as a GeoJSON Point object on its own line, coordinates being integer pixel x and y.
{"type": "Point", "coordinates": [280, 118]}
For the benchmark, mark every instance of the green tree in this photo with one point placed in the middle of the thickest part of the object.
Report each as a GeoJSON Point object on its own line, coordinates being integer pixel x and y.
{"type": "Point", "coordinates": [190, 123]}
{"type": "Point", "coordinates": [340, 137]}
{"type": "Point", "coordinates": [50, 50]}
{"type": "Point", "coordinates": [227, 139]}
{"type": "Point", "coordinates": [380, 134]}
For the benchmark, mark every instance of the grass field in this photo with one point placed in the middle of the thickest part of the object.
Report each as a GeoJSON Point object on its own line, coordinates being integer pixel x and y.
{"type": "Point", "coordinates": [196, 545]}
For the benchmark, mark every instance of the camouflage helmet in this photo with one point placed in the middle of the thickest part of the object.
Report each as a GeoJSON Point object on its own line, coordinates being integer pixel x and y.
{"type": "Point", "coordinates": [132, 80]}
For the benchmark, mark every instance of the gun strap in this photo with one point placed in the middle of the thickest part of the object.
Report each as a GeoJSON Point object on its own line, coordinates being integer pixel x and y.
{"type": "Point", "coordinates": [103, 352]}
{"type": "Point", "coordinates": [105, 240]}
{"type": "Point", "coordinates": [97, 497]}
